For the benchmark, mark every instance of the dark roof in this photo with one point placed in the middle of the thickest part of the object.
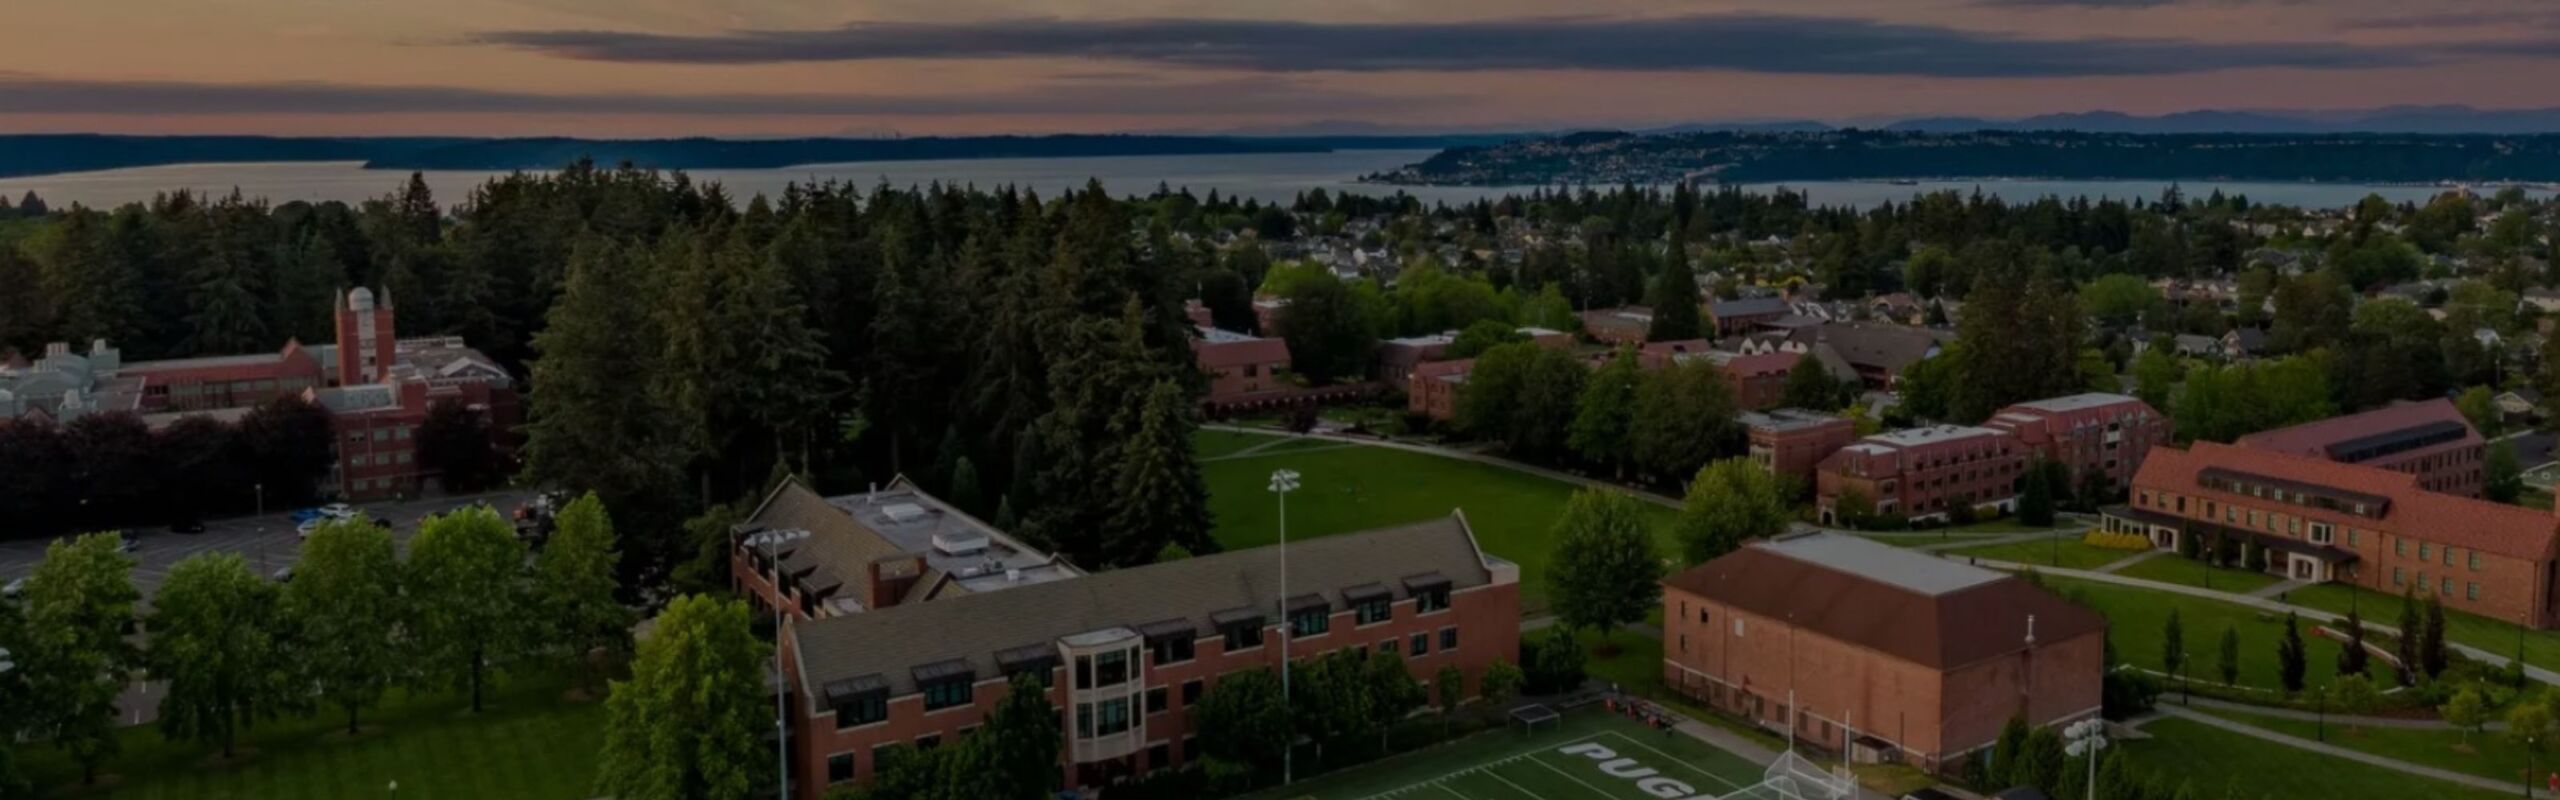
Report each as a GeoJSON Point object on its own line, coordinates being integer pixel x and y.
{"type": "Point", "coordinates": [1875, 346]}
{"type": "Point", "coordinates": [1748, 307]}
{"type": "Point", "coordinates": [1962, 623]}
{"type": "Point", "coordinates": [975, 628]}
{"type": "Point", "coordinates": [2344, 436]}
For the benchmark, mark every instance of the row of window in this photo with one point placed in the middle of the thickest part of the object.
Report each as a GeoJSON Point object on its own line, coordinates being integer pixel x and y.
{"type": "Point", "coordinates": [2443, 586]}
{"type": "Point", "coordinates": [2400, 547]}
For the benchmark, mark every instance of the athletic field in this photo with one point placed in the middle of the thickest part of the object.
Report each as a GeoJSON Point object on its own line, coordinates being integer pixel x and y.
{"type": "Point", "coordinates": [1561, 761]}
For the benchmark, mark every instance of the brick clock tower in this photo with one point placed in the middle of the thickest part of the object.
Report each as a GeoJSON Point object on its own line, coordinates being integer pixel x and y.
{"type": "Point", "coordinates": [365, 337]}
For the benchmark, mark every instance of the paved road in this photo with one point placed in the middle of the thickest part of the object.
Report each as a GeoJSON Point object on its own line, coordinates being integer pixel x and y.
{"type": "Point", "coordinates": [269, 542]}
{"type": "Point", "coordinates": [2334, 751]}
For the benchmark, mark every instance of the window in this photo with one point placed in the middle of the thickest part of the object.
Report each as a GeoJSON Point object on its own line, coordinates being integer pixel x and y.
{"type": "Point", "coordinates": [1702, 615]}
{"type": "Point", "coordinates": [2422, 551]}
{"type": "Point", "coordinates": [1155, 700]}
{"type": "Point", "coordinates": [1311, 622]}
{"type": "Point", "coordinates": [840, 768]}
{"type": "Point", "coordinates": [863, 709]}
{"type": "Point", "coordinates": [2475, 561]}
{"type": "Point", "coordinates": [1421, 644]}
{"type": "Point", "coordinates": [2320, 532]}
{"type": "Point", "coordinates": [2446, 586]}
{"type": "Point", "coordinates": [2471, 591]}
{"type": "Point", "coordinates": [1104, 669]}
{"type": "Point", "coordinates": [1376, 611]}
{"type": "Point", "coordinates": [1449, 638]}
{"type": "Point", "coordinates": [1161, 756]}
{"type": "Point", "coordinates": [1243, 637]}
{"type": "Point", "coordinates": [2448, 555]}
{"type": "Point", "coordinates": [1174, 650]}
{"type": "Point", "coordinates": [945, 694]}
{"type": "Point", "coordinates": [2400, 547]}
{"type": "Point", "coordinates": [1084, 720]}
{"type": "Point", "coordinates": [1387, 646]}
{"type": "Point", "coordinates": [2397, 577]}
{"type": "Point", "coordinates": [929, 741]}
{"type": "Point", "coordinates": [1430, 601]}
{"type": "Point", "coordinates": [1111, 717]}
{"type": "Point", "coordinates": [1191, 691]}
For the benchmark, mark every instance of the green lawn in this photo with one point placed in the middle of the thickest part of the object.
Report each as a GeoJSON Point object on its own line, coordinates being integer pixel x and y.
{"type": "Point", "coordinates": [1358, 488]}
{"type": "Point", "coordinates": [2487, 754]}
{"type": "Point", "coordinates": [529, 745]}
{"type": "Point", "coordinates": [1507, 764]}
{"type": "Point", "coordinates": [2541, 648]}
{"type": "Point", "coordinates": [2068, 553]}
{"type": "Point", "coordinates": [1999, 525]}
{"type": "Point", "coordinates": [2174, 568]}
{"type": "Point", "coordinates": [2136, 619]}
{"type": "Point", "coordinates": [1211, 444]}
{"type": "Point", "coordinates": [2215, 760]}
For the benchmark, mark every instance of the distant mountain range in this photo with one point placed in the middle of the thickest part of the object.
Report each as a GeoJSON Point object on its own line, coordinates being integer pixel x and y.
{"type": "Point", "coordinates": [38, 154]}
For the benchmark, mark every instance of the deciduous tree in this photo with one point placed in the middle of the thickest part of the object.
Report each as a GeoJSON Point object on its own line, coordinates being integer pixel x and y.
{"type": "Point", "coordinates": [1730, 502]}
{"type": "Point", "coordinates": [466, 576]}
{"type": "Point", "coordinates": [350, 618]}
{"type": "Point", "coordinates": [575, 587]}
{"type": "Point", "coordinates": [1604, 570]}
{"type": "Point", "coordinates": [217, 639]}
{"type": "Point", "coordinates": [689, 723]}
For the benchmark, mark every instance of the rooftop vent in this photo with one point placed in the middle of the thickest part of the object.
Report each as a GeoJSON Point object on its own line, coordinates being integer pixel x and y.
{"type": "Point", "coordinates": [959, 542]}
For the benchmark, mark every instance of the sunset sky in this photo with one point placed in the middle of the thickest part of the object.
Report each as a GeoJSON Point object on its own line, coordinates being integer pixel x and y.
{"type": "Point", "coordinates": [866, 67]}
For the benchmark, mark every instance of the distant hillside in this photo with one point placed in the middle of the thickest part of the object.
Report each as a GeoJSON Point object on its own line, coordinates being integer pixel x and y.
{"type": "Point", "coordinates": [2403, 119]}
{"type": "Point", "coordinates": [45, 154]}
{"type": "Point", "coordinates": [1611, 157]}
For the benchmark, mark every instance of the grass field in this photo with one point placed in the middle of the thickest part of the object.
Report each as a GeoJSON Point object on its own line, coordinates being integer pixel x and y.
{"type": "Point", "coordinates": [1344, 489]}
{"type": "Point", "coordinates": [2174, 568]}
{"type": "Point", "coordinates": [2068, 553]}
{"type": "Point", "coordinates": [2137, 619]}
{"type": "Point", "coordinates": [2213, 760]}
{"type": "Point", "coordinates": [1510, 765]}
{"type": "Point", "coordinates": [529, 745]}
{"type": "Point", "coordinates": [2486, 754]}
{"type": "Point", "coordinates": [2541, 648]}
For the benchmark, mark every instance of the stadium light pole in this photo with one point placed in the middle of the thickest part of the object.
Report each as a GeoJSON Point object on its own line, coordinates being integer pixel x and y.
{"type": "Point", "coordinates": [2087, 737]}
{"type": "Point", "coordinates": [1282, 483]}
{"type": "Point", "coordinates": [773, 541]}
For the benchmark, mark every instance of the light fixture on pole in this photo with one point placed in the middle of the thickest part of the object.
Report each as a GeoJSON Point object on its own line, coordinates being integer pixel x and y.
{"type": "Point", "coordinates": [771, 541]}
{"type": "Point", "coordinates": [2086, 738]}
{"type": "Point", "coordinates": [1282, 483]}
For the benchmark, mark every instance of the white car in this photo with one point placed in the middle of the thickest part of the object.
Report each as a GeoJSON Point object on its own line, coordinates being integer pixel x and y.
{"type": "Point", "coordinates": [338, 511]}
{"type": "Point", "coordinates": [304, 530]}
{"type": "Point", "coordinates": [14, 589]}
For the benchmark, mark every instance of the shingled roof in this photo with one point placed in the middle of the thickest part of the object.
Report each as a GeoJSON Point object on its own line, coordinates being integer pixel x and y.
{"type": "Point", "coordinates": [1906, 605]}
{"type": "Point", "coordinates": [889, 643]}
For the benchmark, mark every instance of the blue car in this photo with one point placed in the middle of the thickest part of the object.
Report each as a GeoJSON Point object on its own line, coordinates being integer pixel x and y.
{"type": "Point", "coordinates": [305, 515]}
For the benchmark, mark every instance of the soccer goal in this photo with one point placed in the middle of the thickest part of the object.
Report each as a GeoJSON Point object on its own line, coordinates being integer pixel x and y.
{"type": "Point", "coordinates": [1794, 777]}
{"type": "Point", "coordinates": [1533, 715]}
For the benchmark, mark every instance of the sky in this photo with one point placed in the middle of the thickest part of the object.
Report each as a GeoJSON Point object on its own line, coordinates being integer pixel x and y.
{"type": "Point", "coordinates": [652, 68]}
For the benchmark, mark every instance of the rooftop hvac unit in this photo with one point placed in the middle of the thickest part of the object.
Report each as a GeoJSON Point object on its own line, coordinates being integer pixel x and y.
{"type": "Point", "coordinates": [959, 542]}
{"type": "Point", "coordinates": [903, 513]}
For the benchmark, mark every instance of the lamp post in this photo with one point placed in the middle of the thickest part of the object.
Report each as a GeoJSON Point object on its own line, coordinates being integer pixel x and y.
{"type": "Point", "coordinates": [772, 541]}
{"type": "Point", "coordinates": [1283, 482]}
{"type": "Point", "coordinates": [2087, 737]}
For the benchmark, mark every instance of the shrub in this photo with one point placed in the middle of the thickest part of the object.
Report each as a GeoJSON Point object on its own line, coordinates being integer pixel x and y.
{"type": "Point", "coordinates": [2127, 693]}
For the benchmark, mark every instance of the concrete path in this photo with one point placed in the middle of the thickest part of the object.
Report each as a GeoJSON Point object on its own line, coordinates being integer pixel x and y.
{"type": "Point", "coordinates": [2136, 558]}
{"type": "Point", "coordinates": [1985, 541]}
{"type": "Point", "coordinates": [2334, 751]}
{"type": "Point", "coordinates": [2278, 588]}
{"type": "Point", "coordinates": [1463, 455]}
{"type": "Point", "coordinates": [2313, 614]}
{"type": "Point", "coordinates": [2334, 719]}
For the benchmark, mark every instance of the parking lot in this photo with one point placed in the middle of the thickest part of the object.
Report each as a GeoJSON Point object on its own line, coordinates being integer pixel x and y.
{"type": "Point", "coordinates": [269, 542]}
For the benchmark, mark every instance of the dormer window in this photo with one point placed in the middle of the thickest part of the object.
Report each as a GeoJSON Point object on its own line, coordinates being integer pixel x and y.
{"type": "Point", "coordinates": [859, 701]}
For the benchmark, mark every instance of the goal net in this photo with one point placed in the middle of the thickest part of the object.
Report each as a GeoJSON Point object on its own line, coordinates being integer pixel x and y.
{"type": "Point", "coordinates": [1534, 715]}
{"type": "Point", "coordinates": [1794, 777]}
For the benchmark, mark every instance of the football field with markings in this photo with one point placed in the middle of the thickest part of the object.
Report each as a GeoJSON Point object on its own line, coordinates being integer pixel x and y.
{"type": "Point", "coordinates": [1585, 755]}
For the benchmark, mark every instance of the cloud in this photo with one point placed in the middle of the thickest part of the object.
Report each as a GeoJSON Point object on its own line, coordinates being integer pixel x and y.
{"type": "Point", "coordinates": [2455, 19]}
{"type": "Point", "coordinates": [1766, 43]}
{"type": "Point", "coordinates": [28, 94]}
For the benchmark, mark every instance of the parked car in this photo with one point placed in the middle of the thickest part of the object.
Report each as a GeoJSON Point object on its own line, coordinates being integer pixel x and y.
{"type": "Point", "coordinates": [338, 511]}
{"type": "Point", "coordinates": [14, 589]}
{"type": "Point", "coordinates": [188, 526]}
{"type": "Point", "coordinates": [302, 515]}
{"type": "Point", "coordinates": [283, 574]}
{"type": "Point", "coordinates": [304, 530]}
{"type": "Point", "coordinates": [127, 544]}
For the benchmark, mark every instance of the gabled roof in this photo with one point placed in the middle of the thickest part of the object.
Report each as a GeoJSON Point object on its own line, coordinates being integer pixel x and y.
{"type": "Point", "coordinates": [1907, 605]}
{"type": "Point", "coordinates": [1885, 347]}
{"type": "Point", "coordinates": [2334, 437]}
{"type": "Point", "coordinates": [2412, 510]}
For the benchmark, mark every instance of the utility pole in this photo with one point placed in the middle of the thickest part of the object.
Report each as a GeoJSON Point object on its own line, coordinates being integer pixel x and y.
{"type": "Point", "coordinates": [772, 542]}
{"type": "Point", "coordinates": [1282, 483]}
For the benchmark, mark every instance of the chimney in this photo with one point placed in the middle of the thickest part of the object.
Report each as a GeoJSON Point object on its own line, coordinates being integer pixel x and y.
{"type": "Point", "coordinates": [890, 585]}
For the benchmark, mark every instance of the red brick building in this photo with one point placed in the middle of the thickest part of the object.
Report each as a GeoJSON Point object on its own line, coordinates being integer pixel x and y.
{"type": "Point", "coordinates": [1877, 652]}
{"type": "Point", "coordinates": [1241, 367]}
{"type": "Point", "coordinates": [1790, 442]}
{"type": "Point", "coordinates": [2429, 439]}
{"type": "Point", "coordinates": [1127, 653]}
{"type": "Point", "coordinates": [1923, 473]}
{"type": "Point", "coordinates": [376, 386]}
{"type": "Point", "coordinates": [2093, 433]}
{"type": "Point", "coordinates": [1433, 390]}
{"type": "Point", "coordinates": [2323, 520]}
{"type": "Point", "coordinates": [1735, 317]}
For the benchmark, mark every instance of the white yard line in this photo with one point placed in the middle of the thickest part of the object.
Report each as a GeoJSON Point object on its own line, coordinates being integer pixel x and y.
{"type": "Point", "coordinates": [1595, 790]}
{"type": "Point", "coordinates": [1523, 789]}
{"type": "Point", "coordinates": [1483, 766]}
{"type": "Point", "coordinates": [1674, 759]}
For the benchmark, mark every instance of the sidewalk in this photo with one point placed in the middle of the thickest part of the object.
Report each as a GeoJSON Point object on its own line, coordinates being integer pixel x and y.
{"type": "Point", "coordinates": [2334, 751]}
{"type": "Point", "coordinates": [2334, 719]}
{"type": "Point", "coordinates": [2313, 614]}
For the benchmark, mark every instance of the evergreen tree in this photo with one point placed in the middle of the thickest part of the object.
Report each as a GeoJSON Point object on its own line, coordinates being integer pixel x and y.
{"type": "Point", "coordinates": [590, 430]}
{"type": "Point", "coordinates": [2351, 654]}
{"type": "Point", "coordinates": [2291, 661]}
{"type": "Point", "coordinates": [2432, 656]}
{"type": "Point", "coordinates": [1159, 497]}
{"type": "Point", "coordinates": [2229, 664]}
{"type": "Point", "coordinates": [2173, 646]}
{"type": "Point", "coordinates": [1810, 386]}
{"type": "Point", "coordinates": [2412, 630]}
{"type": "Point", "coordinates": [1675, 298]}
